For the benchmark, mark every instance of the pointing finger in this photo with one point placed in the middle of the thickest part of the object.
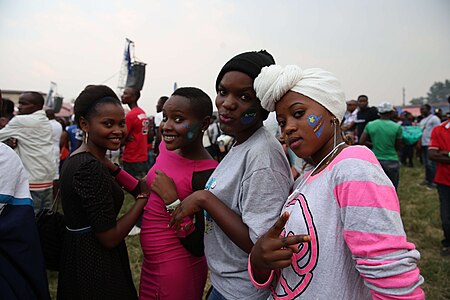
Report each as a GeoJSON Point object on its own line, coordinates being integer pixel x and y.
{"type": "Point", "coordinates": [277, 228]}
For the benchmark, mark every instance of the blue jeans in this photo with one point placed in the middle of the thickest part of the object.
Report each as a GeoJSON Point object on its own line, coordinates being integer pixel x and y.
{"type": "Point", "coordinates": [430, 166]}
{"type": "Point", "coordinates": [215, 295]}
{"type": "Point", "coordinates": [444, 199]}
{"type": "Point", "coordinates": [392, 170]}
{"type": "Point", "coordinates": [42, 199]}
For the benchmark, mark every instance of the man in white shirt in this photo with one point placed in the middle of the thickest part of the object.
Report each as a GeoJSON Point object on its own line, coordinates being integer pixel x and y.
{"type": "Point", "coordinates": [348, 125]}
{"type": "Point", "coordinates": [427, 124]}
{"type": "Point", "coordinates": [33, 132]}
{"type": "Point", "coordinates": [56, 139]}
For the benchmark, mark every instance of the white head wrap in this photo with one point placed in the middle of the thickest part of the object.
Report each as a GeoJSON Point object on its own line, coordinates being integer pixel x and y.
{"type": "Point", "coordinates": [275, 81]}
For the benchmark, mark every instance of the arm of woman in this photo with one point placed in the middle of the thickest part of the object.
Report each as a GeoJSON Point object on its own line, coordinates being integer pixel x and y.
{"type": "Point", "coordinates": [383, 256]}
{"type": "Point", "coordinates": [230, 222]}
{"type": "Point", "coordinates": [115, 235]}
{"type": "Point", "coordinates": [124, 179]}
{"type": "Point", "coordinates": [272, 252]}
{"type": "Point", "coordinates": [93, 184]}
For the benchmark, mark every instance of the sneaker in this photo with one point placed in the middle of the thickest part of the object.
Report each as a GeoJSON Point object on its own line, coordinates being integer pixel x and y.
{"type": "Point", "coordinates": [445, 251]}
{"type": "Point", "coordinates": [134, 231]}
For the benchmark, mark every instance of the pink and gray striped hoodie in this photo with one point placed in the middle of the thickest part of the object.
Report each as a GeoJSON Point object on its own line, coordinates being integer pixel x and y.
{"type": "Point", "coordinates": [358, 248]}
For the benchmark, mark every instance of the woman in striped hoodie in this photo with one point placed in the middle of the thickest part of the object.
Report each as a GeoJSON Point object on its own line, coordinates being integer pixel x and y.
{"type": "Point", "coordinates": [346, 204]}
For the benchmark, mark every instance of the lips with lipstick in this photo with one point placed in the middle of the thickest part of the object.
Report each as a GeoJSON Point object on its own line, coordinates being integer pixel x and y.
{"type": "Point", "coordinates": [224, 118]}
{"type": "Point", "coordinates": [116, 140]}
{"type": "Point", "coordinates": [294, 142]}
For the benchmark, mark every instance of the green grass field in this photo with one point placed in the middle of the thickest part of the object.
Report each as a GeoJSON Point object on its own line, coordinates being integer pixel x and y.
{"type": "Point", "coordinates": [420, 213]}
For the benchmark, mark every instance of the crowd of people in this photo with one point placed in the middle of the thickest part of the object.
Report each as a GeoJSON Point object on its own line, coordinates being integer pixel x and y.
{"type": "Point", "coordinates": [288, 192]}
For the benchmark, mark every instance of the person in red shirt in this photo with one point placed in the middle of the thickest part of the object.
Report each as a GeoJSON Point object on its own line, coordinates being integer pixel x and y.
{"type": "Point", "coordinates": [135, 156]}
{"type": "Point", "coordinates": [135, 152]}
{"type": "Point", "coordinates": [439, 151]}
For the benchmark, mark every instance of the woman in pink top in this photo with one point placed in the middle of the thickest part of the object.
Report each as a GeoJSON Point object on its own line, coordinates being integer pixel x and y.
{"type": "Point", "coordinates": [174, 265]}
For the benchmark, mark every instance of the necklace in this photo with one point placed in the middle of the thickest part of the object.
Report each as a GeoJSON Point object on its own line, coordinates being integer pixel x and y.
{"type": "Point", "coordinates": [329, 156]}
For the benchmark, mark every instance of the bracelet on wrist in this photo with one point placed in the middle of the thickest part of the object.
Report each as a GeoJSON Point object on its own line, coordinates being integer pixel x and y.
{"type": "Point", "coordinates": [172, 206]}
{"type": "Point", "coordinates": [116, 171]}
{"type": "Point", "coordinates": [142, 196]}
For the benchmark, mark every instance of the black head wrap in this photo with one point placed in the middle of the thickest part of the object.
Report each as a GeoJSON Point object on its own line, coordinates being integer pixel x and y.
{"type": "Point", "coordinates": [249, 63]}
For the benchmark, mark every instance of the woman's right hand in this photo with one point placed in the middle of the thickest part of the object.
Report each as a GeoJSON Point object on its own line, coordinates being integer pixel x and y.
{"type": "Point", "coordinates": [273, 251]}
{"type": "Point", "coordinates": [165, 187]}
{"type": "Point", "coordinates": [188, 207]}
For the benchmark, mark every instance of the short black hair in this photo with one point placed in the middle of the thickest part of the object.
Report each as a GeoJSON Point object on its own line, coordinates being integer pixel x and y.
{"type": "Point", "coordinates": [360, 96]}
{"type": "Point", "coordinates": [7, 109]}
{"type": "Point", "coordinates": [36, 98]}
{"type": "Point", "coordinates": [200, 102]}
{"type": "Point", "coordinates": [427, 106]}
{"type": "Point", "coordinates": [163, 98]}
{"type": "Point", "coordinates": [87, 102]}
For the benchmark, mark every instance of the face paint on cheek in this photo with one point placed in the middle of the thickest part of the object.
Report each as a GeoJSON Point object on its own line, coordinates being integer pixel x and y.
{"type": "Point", "coordinates": [249, 115]}
{"type": "Point", "coordinates": [193, 129]}
{"type": "Point", "coordinates": [316, 123]}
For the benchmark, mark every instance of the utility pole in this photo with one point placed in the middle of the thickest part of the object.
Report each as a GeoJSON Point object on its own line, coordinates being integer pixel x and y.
{"type": "Point", "coordinates": [403, 97]}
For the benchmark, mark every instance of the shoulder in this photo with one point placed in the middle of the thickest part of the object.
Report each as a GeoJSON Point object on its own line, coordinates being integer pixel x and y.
{"type": "Point", "coordinates": [357, 163]}
{"type": "Point", "coordinates": [85, 163]}
{"type": "Point", "coordinates": [436, 119]}
{"type": "Point", "coordinates": [373, 123]}
{"type": "Point", "coordinates": [441, 128]}
{"type": "Point", "coordinates": [355, 152]}
{"type": "Point", "coordinates": [266, 152]}
{"type": "Point", "coordinates": [263, 145]}
{"type": "Point", "coordinates": [140, 111]}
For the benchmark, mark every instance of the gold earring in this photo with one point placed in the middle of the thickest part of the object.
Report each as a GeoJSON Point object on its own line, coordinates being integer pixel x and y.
{"type": "Point", "coordinates": [86, 137]}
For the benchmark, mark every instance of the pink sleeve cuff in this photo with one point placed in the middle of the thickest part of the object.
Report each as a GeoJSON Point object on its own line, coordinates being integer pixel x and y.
{"type": "Point", "coordinates": [255, 283]}
{"type": "Point", "coordinates": [127, 181]}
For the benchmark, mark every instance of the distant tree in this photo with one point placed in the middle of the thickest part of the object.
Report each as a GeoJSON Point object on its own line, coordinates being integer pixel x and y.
{"type": "Point", "coordinates": [418, 101]}
{"type": "Point", "coordinates": [439, 92]}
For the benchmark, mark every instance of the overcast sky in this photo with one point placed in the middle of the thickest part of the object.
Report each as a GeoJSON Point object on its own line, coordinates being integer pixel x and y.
{"type": "Point", "coordinates": [374, 47]}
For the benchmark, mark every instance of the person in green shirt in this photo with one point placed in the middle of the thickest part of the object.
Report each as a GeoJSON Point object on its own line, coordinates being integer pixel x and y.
{"type": "Point", "coordinates": [384, 136]}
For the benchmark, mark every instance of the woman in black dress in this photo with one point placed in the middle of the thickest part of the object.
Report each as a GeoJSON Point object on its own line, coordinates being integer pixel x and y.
{"type": "Point", "coordinates": [94, 262]}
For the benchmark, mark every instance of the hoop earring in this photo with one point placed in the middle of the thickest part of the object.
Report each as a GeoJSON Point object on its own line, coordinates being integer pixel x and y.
{"type": "Point", "coordinates": [86, 137]}
{"type": "Point", "coordinates": [335, 133]}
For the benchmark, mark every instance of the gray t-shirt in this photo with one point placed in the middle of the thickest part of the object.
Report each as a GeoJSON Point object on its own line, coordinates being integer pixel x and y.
{"type": "Point", "coordinates": [254, 180]}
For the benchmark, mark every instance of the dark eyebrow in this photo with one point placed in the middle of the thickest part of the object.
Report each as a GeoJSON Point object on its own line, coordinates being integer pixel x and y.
{"type": "Point", "coordinates": [296, 103]}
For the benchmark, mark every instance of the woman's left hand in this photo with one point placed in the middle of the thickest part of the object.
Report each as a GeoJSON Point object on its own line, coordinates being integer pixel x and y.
{"type": "Point", "coordinates": [164, 186]}
{"type": "Point", "coordinates": [189, 206]}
